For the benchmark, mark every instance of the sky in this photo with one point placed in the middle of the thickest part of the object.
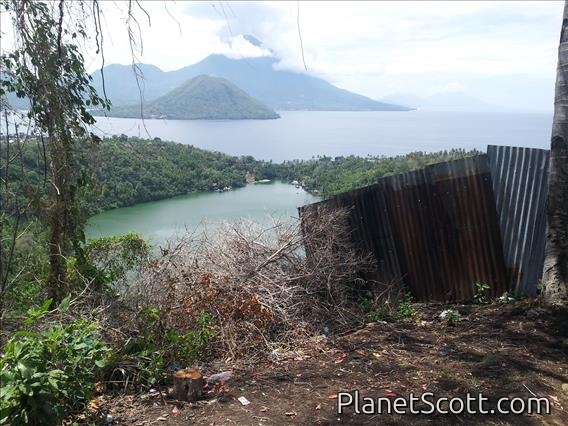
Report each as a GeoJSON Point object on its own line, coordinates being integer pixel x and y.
{"type": "Point", "coordinates": [501, 53]}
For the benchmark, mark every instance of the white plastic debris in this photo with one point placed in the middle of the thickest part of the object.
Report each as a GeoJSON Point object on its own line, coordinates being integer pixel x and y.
{"type": "Point", "coordinates": [243, 400]}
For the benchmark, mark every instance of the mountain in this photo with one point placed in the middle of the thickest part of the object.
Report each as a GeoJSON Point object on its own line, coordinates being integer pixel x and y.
{"type": "Point", "coordinates": [279, 89]}
{"type": "Point", "coordinates": [201, 98]}
{"type": "Point", "coordinates": [122, 88]}
{"type": "Point", "coordinates": [445, 101]}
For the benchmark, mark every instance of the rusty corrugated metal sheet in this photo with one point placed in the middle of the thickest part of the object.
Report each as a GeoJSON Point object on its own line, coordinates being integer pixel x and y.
{"type": "Point", "coordinates": [435, 228]}
{"type": "Point", "coordinates": [519, 181]}
{"type": "Point", "coordinates": [444, 222]}
{"type": "Point", "coordinates": [370, 227]}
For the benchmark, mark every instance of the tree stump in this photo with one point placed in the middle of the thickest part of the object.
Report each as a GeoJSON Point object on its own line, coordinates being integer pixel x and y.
{"type": "Point", "coordinates": [188, 385]}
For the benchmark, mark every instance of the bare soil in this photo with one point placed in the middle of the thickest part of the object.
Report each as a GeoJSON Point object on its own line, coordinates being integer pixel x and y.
{"type": "Point", "coordinates": [511, 350]}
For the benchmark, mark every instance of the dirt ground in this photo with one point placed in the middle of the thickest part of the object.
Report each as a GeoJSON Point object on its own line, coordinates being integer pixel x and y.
{"type": "Point", "coordinates": [511, 350]}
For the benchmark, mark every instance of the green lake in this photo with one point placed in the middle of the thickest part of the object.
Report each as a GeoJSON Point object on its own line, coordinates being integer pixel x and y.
{"type": "Point", "coordinates": [162, 220]}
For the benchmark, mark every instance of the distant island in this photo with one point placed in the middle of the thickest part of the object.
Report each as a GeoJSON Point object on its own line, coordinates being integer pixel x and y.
{"type": "Point", "coordinates": [279, 89]}
{"type": "Point", "coordinates": [201, 98]}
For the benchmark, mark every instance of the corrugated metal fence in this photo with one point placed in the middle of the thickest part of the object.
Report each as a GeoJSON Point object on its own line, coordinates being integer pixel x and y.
{"type": "Point", "coordinates": [440, 229]}
{"type": "Point", "coordinates": [519, 184]}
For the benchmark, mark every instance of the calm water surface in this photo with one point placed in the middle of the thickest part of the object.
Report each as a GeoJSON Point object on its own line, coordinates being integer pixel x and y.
{"type": "Point", "coordinates": [303, 134]}
{"type": "Point", "coordinates": [162, 220]}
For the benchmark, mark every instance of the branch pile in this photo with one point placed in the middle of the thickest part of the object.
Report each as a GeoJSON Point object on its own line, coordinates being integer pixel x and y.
{"type": "Point", "coordinates": [262, 287]}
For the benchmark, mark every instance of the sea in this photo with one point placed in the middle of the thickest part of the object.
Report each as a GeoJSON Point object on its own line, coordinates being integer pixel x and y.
{"type": "Point", "coordinates": [309, 134]}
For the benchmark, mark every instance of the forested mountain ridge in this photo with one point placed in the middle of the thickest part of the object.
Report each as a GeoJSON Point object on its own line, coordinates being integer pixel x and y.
{"type": "Point", "coordinates": [201, 98]}
{"type": "Point", "coordinates": [279, 89]}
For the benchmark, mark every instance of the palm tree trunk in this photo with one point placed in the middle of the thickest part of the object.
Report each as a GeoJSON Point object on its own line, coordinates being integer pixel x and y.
{"type": "Point", "coordinates": [555, 273]}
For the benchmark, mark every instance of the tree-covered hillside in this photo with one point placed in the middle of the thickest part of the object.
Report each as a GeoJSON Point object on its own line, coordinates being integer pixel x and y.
{"type": "Point", "coordinates": [330, 176]}
{"type": "Point", "coordinates": [201, 98]}
{"type": "Point", "coordinates": [125, 171]}
{"type": "Point", "coordinates": [133, 170]}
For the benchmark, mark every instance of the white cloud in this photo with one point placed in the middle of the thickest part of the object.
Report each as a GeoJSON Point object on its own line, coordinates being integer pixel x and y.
{"type": "Point", "coordinates": [374, 48]}
{"type": "Point", "coordinates": [238, 47]}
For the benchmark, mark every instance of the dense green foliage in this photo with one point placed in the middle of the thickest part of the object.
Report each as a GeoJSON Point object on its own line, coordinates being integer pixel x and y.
{"type": "Point", "coordinates": [26, 274]}
{"type": "Point", "coordinates": [47, 374]}
{"type": "Point", "coordinates": [132, 170]}
{"type": "Point", "coordinates": [161, 349]}
{"type": "Point", "coordinates": [201, 98]}
{"type": "Point", "coordinates": [330, 176]}
{"type": "Point", "coordinates": [108, 261]}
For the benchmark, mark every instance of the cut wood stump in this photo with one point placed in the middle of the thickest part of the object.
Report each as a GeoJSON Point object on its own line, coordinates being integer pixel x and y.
{"type": "Point", "coordinates": [188, 385]}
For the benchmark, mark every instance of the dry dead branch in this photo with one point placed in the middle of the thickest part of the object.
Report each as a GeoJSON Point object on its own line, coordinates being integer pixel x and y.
{"type": "Point", "coordinates": [263, 288]}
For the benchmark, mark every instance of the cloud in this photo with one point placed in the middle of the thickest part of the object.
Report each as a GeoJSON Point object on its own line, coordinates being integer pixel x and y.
{"type": "Point", "coordinates": [273, 23]}
{"type": "Point", "coordinates": [374, 48]}
{"type": "Point", "coordinates": [238, 47]}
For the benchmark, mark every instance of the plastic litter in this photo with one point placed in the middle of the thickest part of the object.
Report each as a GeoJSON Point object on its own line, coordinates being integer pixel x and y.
{"type": "Point", "coordinates": [243, 400]}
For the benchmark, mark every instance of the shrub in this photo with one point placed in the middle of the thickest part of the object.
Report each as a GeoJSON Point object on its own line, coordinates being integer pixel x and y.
{"type": "Point", "coordinates": [391, 304]}
{"type": "Point", "coordinates": [506, 297]}
{"type": "Point", "coordinates": [47, 374]}
{"type": "Point", "coordinates": [451, 316]}
{"type": "Point", "coordinates": [405, 310]}
{"type": "Point", "coordinates": [108, 261]}
{"type": "Point", "coordinates": [158, 348]}
{"type": "Point", "coordinates": [480, 293]}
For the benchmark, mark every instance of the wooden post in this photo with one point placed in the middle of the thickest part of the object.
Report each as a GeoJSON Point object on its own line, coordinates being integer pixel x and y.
{"type": "Point", "coordinates": [188, 385]}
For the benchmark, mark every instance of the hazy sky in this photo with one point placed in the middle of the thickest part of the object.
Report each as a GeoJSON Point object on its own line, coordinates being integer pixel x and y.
{"type": "Point", "coordinates": [503, 53]}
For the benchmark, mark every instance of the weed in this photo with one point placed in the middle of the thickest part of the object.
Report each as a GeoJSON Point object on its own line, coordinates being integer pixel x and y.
{"type": "Point", "coordinates": [375, 311]}
{"type": "Point", "coordinates": [451, 316]}
{"type": "Point", "coordinates": [45, 375]}
{"type": "Point", "coordinates": [506, 298]}
{"type": "Point", "coordinates": [405, 310]}
{"type": "Point", "coordinates": [157, 349]}
{"type": "Point", "coordinates": [378, 313]}
{"type": "Point", "coordinates": [480, 293]}
{"type": "Point", "coordinates": [193, 344]}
